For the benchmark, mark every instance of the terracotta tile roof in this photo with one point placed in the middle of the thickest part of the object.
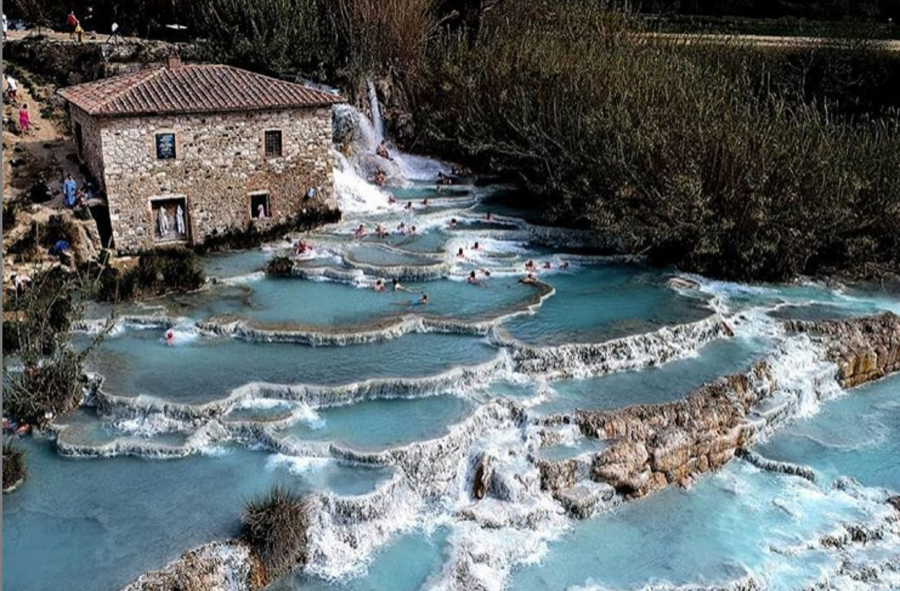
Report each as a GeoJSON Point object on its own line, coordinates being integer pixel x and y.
{"type": "Point", "coordinates": [192, 89]}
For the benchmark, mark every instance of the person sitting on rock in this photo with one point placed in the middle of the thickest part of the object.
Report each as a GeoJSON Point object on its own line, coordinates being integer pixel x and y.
{"type": "Point", "coordinates": [529, 279]}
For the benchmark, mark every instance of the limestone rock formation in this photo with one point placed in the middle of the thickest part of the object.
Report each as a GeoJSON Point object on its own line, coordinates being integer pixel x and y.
{"type": "Point", "coordinates": [865, 349]}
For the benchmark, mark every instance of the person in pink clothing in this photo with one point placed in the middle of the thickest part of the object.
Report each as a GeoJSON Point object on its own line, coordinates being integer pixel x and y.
{"type": "Point", "coordinates": [24, 119]}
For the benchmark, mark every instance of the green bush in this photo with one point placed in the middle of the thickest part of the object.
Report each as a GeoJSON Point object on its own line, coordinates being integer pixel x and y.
{"type": "Point", "coordinates": [158, 272]}
{"type": "Point", "coordinates": [275, 525]}
{"type": "Point", "coordinates": [10, 211]}
{"type": "Point", "coordinates": [14, 468]}
{"type": "Point", "coordinates": [46, 375]}
{"type": "Point", "coordinates": [280, 266]}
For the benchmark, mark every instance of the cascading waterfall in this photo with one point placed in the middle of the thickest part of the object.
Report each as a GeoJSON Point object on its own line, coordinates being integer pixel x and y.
{"type": "Point", "coordinates": [377, 122]}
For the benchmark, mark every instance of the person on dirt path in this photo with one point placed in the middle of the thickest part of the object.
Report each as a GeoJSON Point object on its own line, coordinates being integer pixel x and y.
{"type": "Point", "coordinates": [72, 22]}
{"type": "Point", "coordinates": [114, 34]}
{"type": "Point", "coordinates": [12, 87]}
{"type": "Point", "coordinates": [24, 119]}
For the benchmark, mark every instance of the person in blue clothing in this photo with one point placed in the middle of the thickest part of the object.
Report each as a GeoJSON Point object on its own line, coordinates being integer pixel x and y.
{"type": "Point", "coordinates": [70, 190]}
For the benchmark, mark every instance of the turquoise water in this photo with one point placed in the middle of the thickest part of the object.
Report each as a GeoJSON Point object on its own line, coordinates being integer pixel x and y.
{"type": "Point", "coordinates": [200, 369]}
{"type": "Point", "coordinates": [84, 525]}
{"type": "Point", "coordinates": [380, 424]}
{"type": "Point", "coordinates": [325, 304]}
{"type": "Point", "coordinates": [857, 435]}
{"type": "Point", "coordinates": [654, 385]}
{"type": "Point", "coordinates": [718, 531]}
{"type": "Point", "coordinates": [98, 523]}
{"type": "Point", "coordinates": [602, 302]}
{"type": "Point", "coordinates": [406, 564]}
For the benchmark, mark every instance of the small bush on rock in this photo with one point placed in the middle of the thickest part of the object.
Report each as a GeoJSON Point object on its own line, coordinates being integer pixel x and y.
{"type": "Point", "coordinates": [14, 469]}
{"type": "Point", "coordinates": [275, 525]}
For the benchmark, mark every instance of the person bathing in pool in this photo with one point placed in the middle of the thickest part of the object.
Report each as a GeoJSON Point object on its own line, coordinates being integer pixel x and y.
{"type": "Point", "coordinates": [378, 285]}
{"type": "Point", "coordinates": [460, 254]}
{"type": "Point", "coordinates": [422, 301]}
{"type": "Point", "coordinates": [474, 280]}
{"type": "Point", "coordinates": [395, 283]}
{"type": "Point", "coordinates": [529, 279]}
{"type": "Point", "coordinates": [360, 231]}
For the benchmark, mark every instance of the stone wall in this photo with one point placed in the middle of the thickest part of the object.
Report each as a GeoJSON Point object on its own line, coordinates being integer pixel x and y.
{"type": "Point", "coordinates": [220, 160]}
{"type": "Point", "coordinates": [91, 144]}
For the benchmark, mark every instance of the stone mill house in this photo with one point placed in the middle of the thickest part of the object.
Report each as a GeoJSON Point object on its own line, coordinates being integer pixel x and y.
{"type": "Point", "coordinates": [184, 152]}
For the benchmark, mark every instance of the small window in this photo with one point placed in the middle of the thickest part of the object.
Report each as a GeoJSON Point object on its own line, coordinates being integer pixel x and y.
{"type": "Point", "coordinates": [259, 206]}
{"type": "Point", "coordinates": [165, 146]}
{"type": "Point", "coordinates": [273, 143]}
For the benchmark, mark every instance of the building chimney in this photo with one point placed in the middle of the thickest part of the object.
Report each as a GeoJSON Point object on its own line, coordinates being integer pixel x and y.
{"type": "Point", "coordinates": [174, 59]}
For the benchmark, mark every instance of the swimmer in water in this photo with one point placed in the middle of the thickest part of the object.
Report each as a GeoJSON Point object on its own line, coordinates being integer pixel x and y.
{"type": "Point", "coordinates": [422, 301]}
{"type": "Point", "coordinates": [486, 272]}
{"type": "Point", "coordinates": [412, 229]}
{"type": "Point", "coordinates": [473, 280]}
{"type": "Point", "coordinates": [378, 285]}
{"type": "Point", "coordinates": [529, 266]}
{"type": "Point", "coordinates": [564, 265]}
{"type": "Point", "coordinates": [409, 205]}
{"type": "Point", "coordinates": [395, 283]}
{"type": "Point", "coordinates": [452, 222]}
{"type": "Point", "coordinates": [170, 337]}
{"type": "Point", "coordinates": [476, 247]}
{"type": "Point", "coordinates": [401, 228]}
{"type": "Point", "coordinates": [460, 254]}
{"type": "Point", "coordinates": [360, 231]}
{"type": "Point", "coordinates": [380, 231]}
{"type": "Point", "coordinates": [425, 202]}
{"type": "Point", "coordinates": [528, 279]}
{"type": "Point", "coordinates": [547, 265]}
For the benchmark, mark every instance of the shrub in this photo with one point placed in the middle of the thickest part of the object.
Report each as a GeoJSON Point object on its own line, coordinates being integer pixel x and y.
{"type": "Point", "coordinates": [680, 149]}
{"type": "Point", "coordinates": [280, 266]}
{"type": "Point", "coordinates": [273, 36]}
{"type": "Point", "coordinates": [158, 272]}
{"type": "Point", "coordinates": [275, 525]}
{"type": "Point", "coordinates": [46, 376]}
{"type": "Point", "coordinates": [14, 469]}
{"type": "Point", "coordinates": [9, 215]}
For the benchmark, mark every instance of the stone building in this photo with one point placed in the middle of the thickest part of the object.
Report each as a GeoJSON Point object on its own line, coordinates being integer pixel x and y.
{"type": "Point", "coordinates": [184, 152]}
